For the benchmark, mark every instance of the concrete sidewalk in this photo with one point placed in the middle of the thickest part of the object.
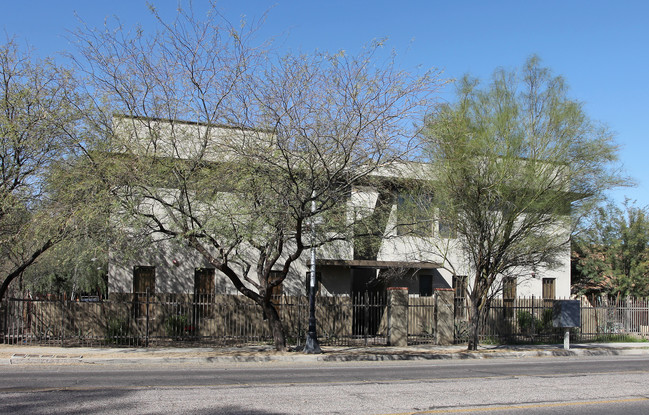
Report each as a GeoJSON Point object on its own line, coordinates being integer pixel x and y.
{"type": "Point", "coordinates": [16, 354]}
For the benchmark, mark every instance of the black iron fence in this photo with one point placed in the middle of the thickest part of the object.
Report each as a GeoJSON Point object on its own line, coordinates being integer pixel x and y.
{"type": "Point", "coordinates": [363, 319]}
{"type": "Point", "coordinates": [530, 320]}
{"type": "Point", "coordinates": [144, 319]}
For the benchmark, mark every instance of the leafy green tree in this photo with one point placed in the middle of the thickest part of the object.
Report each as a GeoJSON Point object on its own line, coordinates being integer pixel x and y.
{"type": "Point", "coordinates": [271, 142]}
{"type": "Point", "coordinates": [36, 119]}
{"type": "Point", "coordinates": [514, 163]}
{"type": "Point", "coordinates": [611, 252]}
{"type": "Point", "coordinates": [75, 266]}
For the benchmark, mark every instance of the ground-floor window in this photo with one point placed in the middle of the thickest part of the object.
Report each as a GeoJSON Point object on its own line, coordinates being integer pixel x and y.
{"type": "Point", "coordinates": [509, 295]}
{"type": "Point", "coordinates": [459, 289]}
{"type": "Point", "coordinates": [143, 279]}
{"type": "Point", "coordinates": [204, 282]}
{"type": "Point", "coordinates": [509, 288]}
{"type": "Point", "coordinates": [276, 291]}
{"type": "Point", "coordinates": [549, 289]}
{"type": "Point", "coordinates": [143, 285]}
{"type": "Point", "coordinates": [203, 292]}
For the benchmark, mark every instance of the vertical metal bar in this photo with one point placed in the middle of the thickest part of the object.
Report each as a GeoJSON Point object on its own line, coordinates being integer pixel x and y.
{"type": "Point", "coordinates": [533, 317]}
{"type": "Point", "coordinates": [436, 316]}
{"type": "Point", "coordinates": [62, 319]}
{"type": "Point", "coordinates": [146, 337]}
{"type": "Point", "coordinates": [4, 306]}
{"type": "Point", "coordinates": [366, 315]}
{"type": "Point", "coordinates": [298, 337]}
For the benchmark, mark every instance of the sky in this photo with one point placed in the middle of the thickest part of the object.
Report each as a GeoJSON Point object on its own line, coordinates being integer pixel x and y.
{"type": "Point", "coordinates": [600, 47]}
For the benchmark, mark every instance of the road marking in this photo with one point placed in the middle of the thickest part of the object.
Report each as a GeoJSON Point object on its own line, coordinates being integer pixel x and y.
{"type": "Point", "coordinates": [525, 406]}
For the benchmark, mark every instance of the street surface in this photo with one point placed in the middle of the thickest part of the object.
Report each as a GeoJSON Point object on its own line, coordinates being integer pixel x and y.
{"type": "Point", "coordinates": [576, 385]}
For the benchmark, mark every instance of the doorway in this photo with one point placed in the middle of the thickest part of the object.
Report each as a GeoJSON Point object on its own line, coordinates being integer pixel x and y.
{"type": "Point", "coordinates": [369, 301]}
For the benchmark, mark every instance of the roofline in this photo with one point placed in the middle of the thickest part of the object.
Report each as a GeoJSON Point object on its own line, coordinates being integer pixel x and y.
{"type": "Point", "coordinates": [195, 123]}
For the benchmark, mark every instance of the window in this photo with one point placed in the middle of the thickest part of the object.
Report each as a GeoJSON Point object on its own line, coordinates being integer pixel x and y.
{"type": "Point", "coordinates": [203, 292]}
{"type": "Point", "coordinates": [459, 285]}
{"type": "Point", "coordinates": [446, 226]}
{"type": "Point", "coordinates": [446, 222]}
{"type": "Point", "coordinates": [276, 291]}
{"type": "Point", "coordinates": [143, 286]}
{"type": "Point", "coordinates": [414, 215]}
{"type": "Point", "coordinates": [143, 279]}
{"type": "Point", "coordinates": [509, 296]}
{"type": "Point", "coordinates": [549, 290]}
{"type": "Point", "coordinates": [417, 217]}
{"type": "Point", "coordinates": [425, 285]}
{"type": "Point", "coordinates": [509, 288]}
{"type": "Point", "coordinates": [203, 282]}
{"type": "Point", "coordinates": [459, 288]}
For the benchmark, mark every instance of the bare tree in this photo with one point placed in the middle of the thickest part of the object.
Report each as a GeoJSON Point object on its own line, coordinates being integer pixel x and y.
{"type": "Point", "coordinates": [266, 136]}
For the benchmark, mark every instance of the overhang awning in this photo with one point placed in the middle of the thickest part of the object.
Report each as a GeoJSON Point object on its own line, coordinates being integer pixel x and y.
{"type": "Point", "coordinates": [368, 263]}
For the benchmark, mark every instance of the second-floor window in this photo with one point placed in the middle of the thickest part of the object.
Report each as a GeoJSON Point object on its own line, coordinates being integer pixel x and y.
{"type": "Point", "coordinates": [415, 214]}
{"type": "Point", "coordinates": [418, 215]}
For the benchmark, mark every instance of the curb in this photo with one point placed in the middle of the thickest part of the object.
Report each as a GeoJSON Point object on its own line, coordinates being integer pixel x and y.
{"type": "Point", "coordinates": [29, 359]}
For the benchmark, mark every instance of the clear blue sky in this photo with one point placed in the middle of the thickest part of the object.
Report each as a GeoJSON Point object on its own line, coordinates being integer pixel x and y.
{"type": "Point", "coordinates": [600, 47]}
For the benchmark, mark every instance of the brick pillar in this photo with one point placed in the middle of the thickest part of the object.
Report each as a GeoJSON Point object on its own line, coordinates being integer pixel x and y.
{"type": "Point", "coordinates": [444, 316]}
{"type": "Point", "coordinates": [398, 316]}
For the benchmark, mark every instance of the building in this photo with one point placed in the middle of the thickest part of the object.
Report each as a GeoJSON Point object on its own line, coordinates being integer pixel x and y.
{"type": "Point", "coordinates": [395, 248]}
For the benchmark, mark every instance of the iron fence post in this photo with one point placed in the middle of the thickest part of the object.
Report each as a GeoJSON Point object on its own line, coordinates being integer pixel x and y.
{"type": "Point", "coordinates": [389, 307]}
{"type": "Point", "coordinates": [533, 318]}
{"type": "Point", "coordinates": [146, 334]}
{"type": "Point", "coordinates": [366, 315]}
{"type": "Point", "coordinates": [62, 317]}
{"type": "Point", "coordinates": [436, 316]}
{"type": "Point", "coordinates": [4, 310]}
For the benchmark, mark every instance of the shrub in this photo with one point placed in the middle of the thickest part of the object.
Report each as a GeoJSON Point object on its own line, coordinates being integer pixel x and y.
{"type": "Point", "coordinates": [178, 326]}
{"type": "Point", "coordinates": [118, 331]}
{"type": "Point", "coordinates": [527, 323]}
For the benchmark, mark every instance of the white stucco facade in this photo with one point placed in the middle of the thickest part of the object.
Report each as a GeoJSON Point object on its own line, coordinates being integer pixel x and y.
{"type": "Point", "coordinates": [398, 261]}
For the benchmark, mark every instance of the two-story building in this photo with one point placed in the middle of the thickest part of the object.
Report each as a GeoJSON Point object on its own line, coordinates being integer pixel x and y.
{"type": "Point", "coordinates": [408, 248]}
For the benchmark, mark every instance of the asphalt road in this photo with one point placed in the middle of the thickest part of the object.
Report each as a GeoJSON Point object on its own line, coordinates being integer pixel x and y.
{"type": "Point", "coordinates": [603, 385]}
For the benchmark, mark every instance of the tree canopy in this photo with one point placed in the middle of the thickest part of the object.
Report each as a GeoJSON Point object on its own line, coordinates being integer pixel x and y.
{"type": "Point", "coordinates": [37, 124]}
{"type": "Point", "coordinates": [224, 147]}
{"type": "Point", "coordinates": [514, 162]}
{"type": "Point", "coordinates": [611, 252]}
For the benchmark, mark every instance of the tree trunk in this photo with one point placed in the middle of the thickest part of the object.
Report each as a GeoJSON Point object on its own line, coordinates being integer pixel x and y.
{"type": "Point", "coordinates": [26, 263]}
{"type": "Point", "coordinates": [474, 319]}
{"type": "Point", "coordinates": [275, 325]}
